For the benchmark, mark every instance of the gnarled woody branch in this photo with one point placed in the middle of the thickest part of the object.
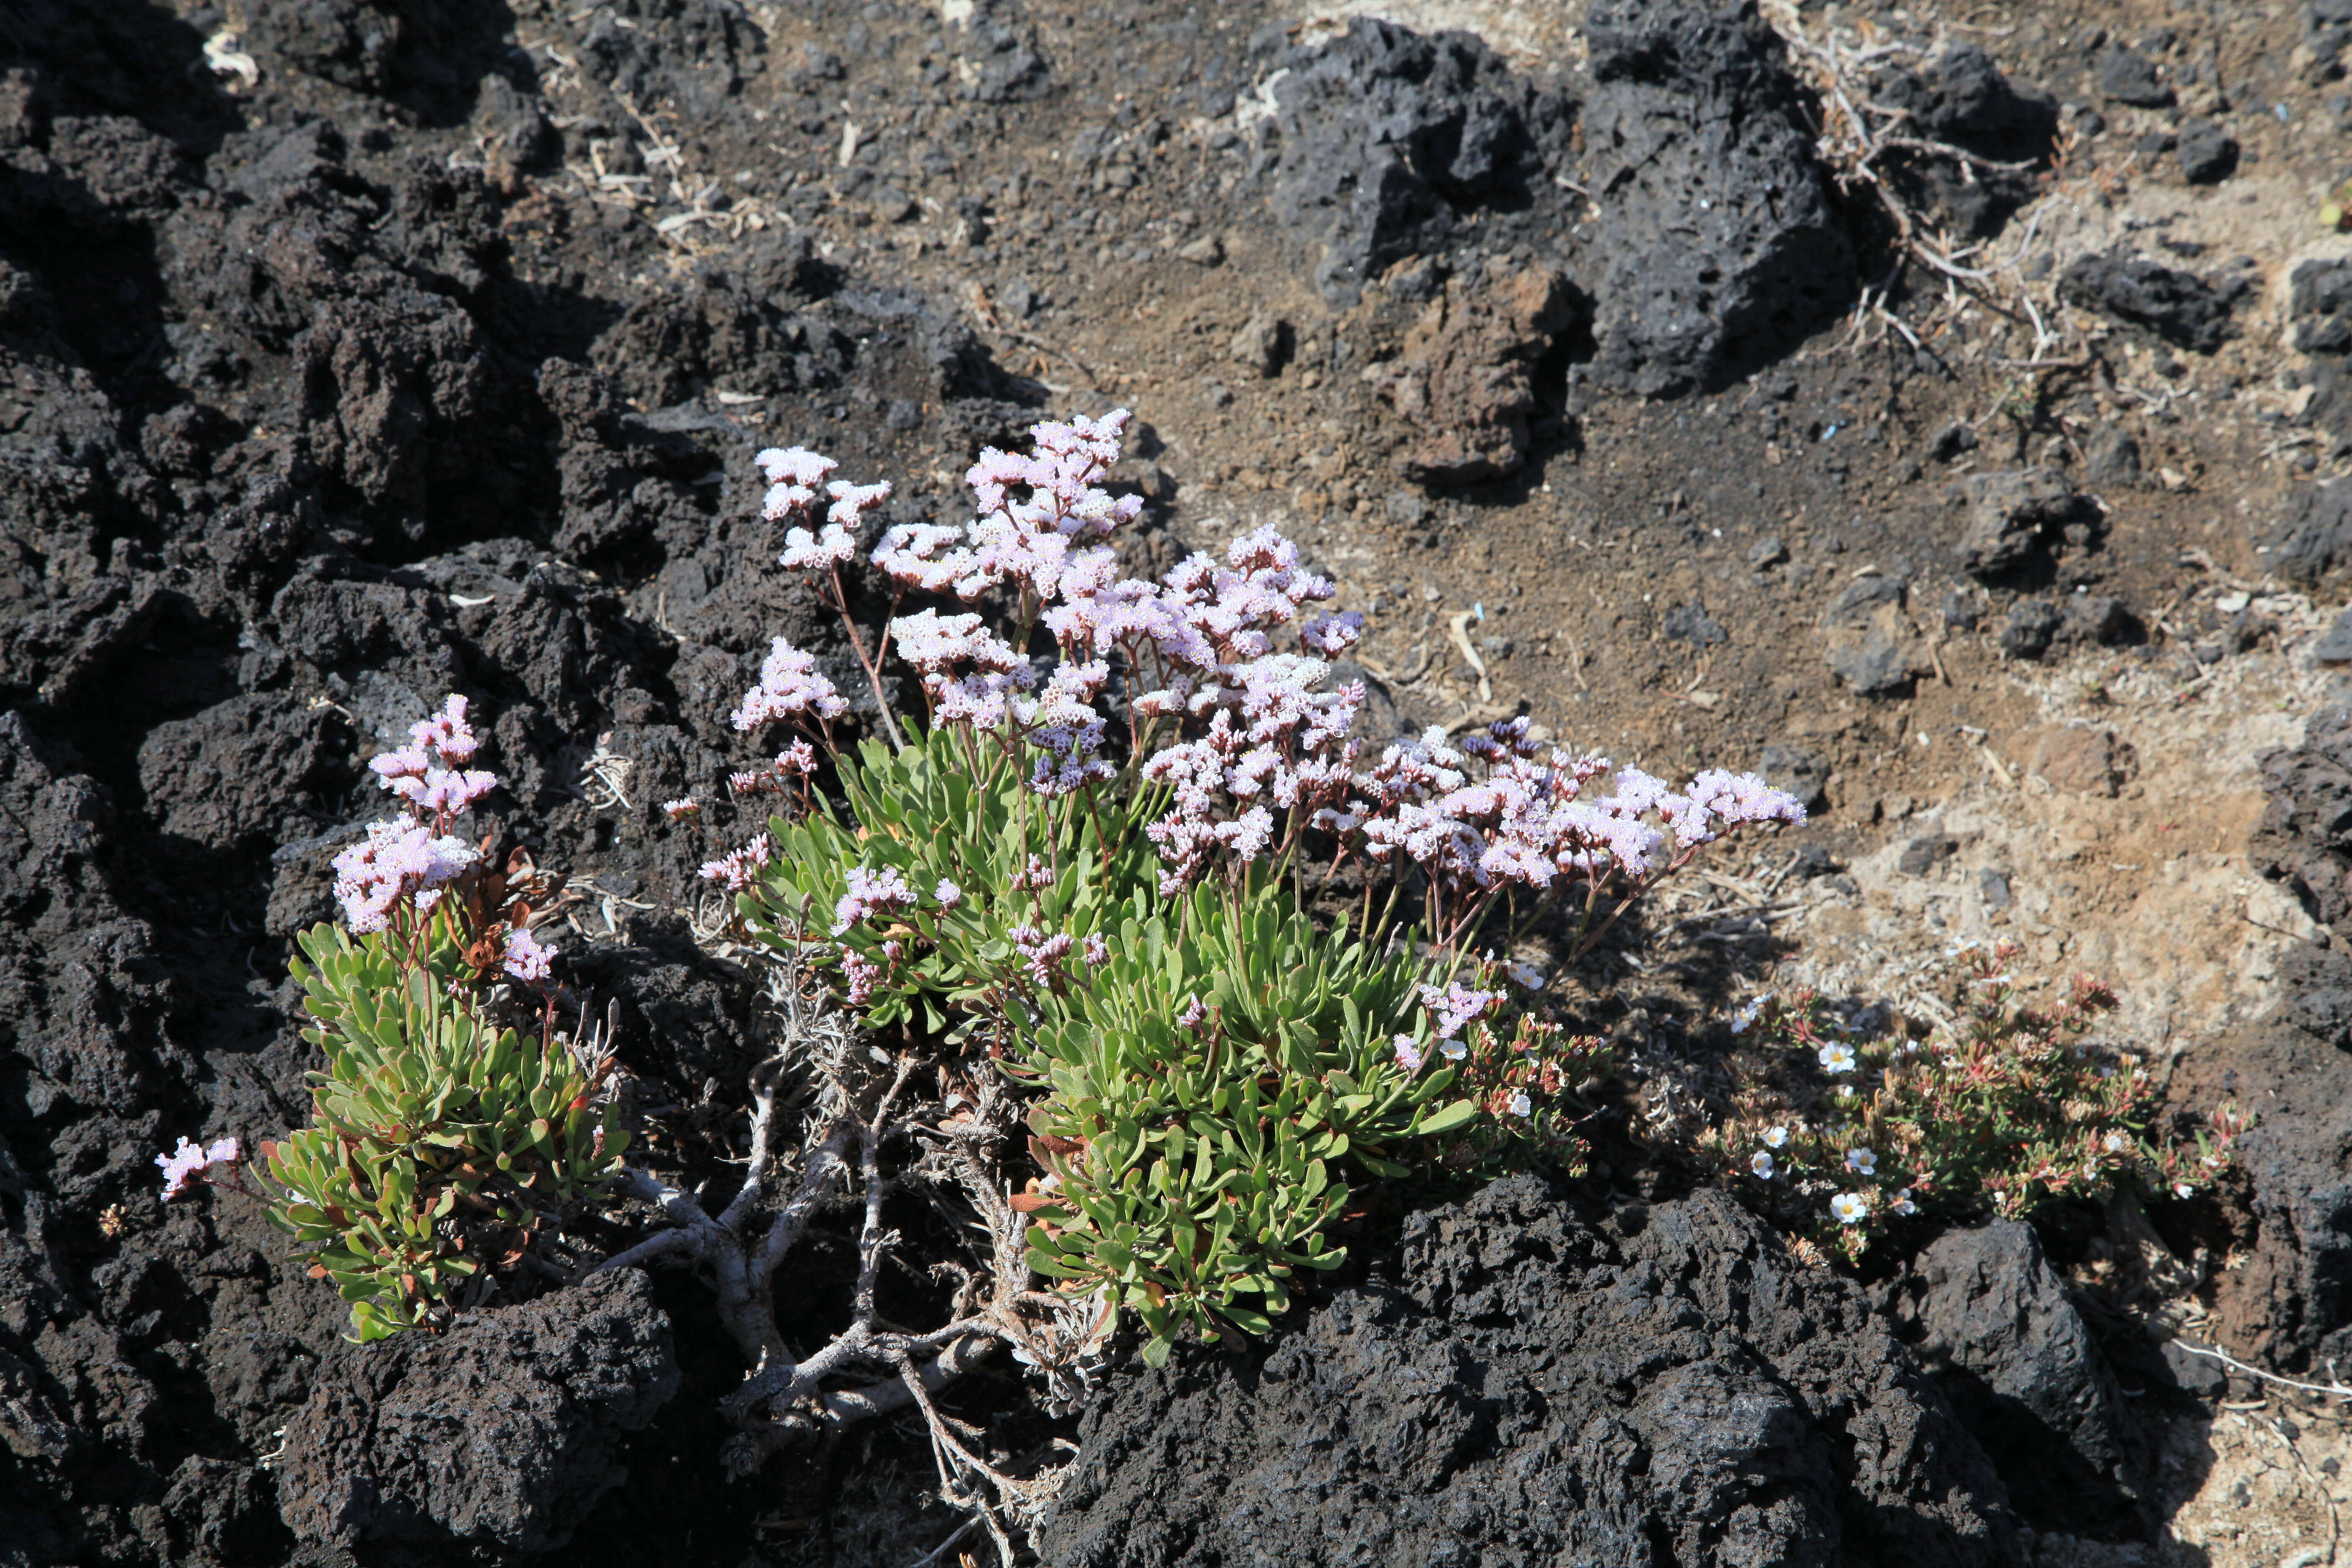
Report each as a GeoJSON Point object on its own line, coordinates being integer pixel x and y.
{"type": "Point", "coordinates": [865, 1102]}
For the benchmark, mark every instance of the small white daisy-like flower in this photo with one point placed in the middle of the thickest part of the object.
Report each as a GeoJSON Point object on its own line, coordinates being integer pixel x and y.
{"type": "Point", "coordinates": [1761, 1163]}
{"type": "Point", "coordinates": [1837, 1057]}
{"type": "Point", "coordinates": [1746, 1017]}
{"type": "Point", "coordinates": [1862, 1161]}
{"type": "Point", "coordinates": [1775, 1136]}
{"type": "Point", "coordinates": [1848, 1207]}
{"type": "Point", "coordinates": [1453, 1050]}
{"type": "Point", "coordinates": [1527, 975]}
{"type": "Point", "coordinates": [2116, 1142]}
{"type": "Point", "coordinates": [2183, 1189]}
{"type": "Point", "coordinates": [1521, 1105]}
{"type": "Point", "coordinates": [1903, 1204]}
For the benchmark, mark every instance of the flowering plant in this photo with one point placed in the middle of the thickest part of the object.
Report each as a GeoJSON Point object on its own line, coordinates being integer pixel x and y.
{"type": "Point", "coordinates": [443, 1137]}
{"type": "Point", "coordinates": [2010, 1110]}
{"type": "Point", "coordinates": [1096, 848]}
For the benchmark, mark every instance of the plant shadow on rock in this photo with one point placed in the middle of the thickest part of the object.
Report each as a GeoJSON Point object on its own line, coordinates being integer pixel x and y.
{"type": "Point", "coordinates": [2291, 1300]}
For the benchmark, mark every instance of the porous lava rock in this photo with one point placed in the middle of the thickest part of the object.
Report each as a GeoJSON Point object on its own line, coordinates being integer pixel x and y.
{"type": "Point", "coordinates": [1391, 140]}
{"type": "Point", "coordinates": [501, 1433]}
{"type": "Point", "coordinates": [2315, 537]}
{"type": "Point", "coordinates": [1963, 100]}
{"type": "Point", "coordinates": [2002, 1336]}
{"type": "Point", "coordinates": [2016, 515]}
{"type": "Point", "coordinates": [1716, 238]}
{"type": "Point", "coordinates": [2304, 837]}
{"type": "Point", "coordinates": [1868, 637]}
{"type": "Point", "coordinates": [2129, 76]}
{"type": "Point", "coordinates": [2288, 1299]}
{"type": "Point", "coordinates": [2157, 301]}
{"type": "Point", "coordinates": [2291, 1298]}
{"type": "Point", "coordinates": [2035, 626]}
{"type": "Point", "coordinates": [1528, 1387]}
{"type": "Point", "coordinates": [2319, 307]}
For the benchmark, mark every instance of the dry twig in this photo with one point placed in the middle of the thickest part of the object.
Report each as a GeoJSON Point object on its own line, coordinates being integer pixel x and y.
{"type": "Point", "coordinates": [867, 1124]}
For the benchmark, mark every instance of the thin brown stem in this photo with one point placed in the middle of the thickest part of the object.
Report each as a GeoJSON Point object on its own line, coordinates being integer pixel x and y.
{"type": "Point", "coordinates": [873, 672]}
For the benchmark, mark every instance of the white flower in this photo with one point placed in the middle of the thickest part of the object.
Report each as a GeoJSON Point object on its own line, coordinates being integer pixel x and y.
{"type": "Point", "coordinates": [2117, 1143]}
{"type": "Point", "coordinates": [1453, 1050]}
{"type": "Point", "coordinates": [1903, 1204]}
{"type": "Point", "coordinates": [2183, 1189]}
{"type": "Point", "coordinates": [1775, 1136]}
{"type": "Point", "coordinates": [1836, 1057]}
{"type": "Point", "coordinates": [1862, 1161]}
{"type": "Point", "coordinates": [1521, 1105]}
{"type": "Point", "coordinates": [1527, 975]}
{"type": "Point", "coordinates": [1848, 1207]}
{"type": "Point", "coordinates": [948, 894]}
{"type": "Point", "coordinates": [1747, 1016]}
{"type": "Point", "coordinates": [1761, 1163]}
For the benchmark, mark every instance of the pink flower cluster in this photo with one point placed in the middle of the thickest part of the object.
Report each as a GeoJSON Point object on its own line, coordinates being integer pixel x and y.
{"type": "Point", "coordinates": [398, 861]}
{"type": "Point", "coordinates": [1528, 820]}
{"type": "Point", "coordinates": [793, 475]}
{"type": "Point", "coordinates": [185, 1165]}
{"type": "Point", "coordinates": [527, 959]}
{"type": "Point", "coordinates": [411, 858]}
{"type": "Point", "coordinates": [871, 893]}
{"type": "Point", "coordinates": [1043, 542]}
{"type": "Point", "coordinates": [1275, 741]}
{"type": "Point", "coordinates": [1457, 1007]}
{"type": "Point", "coordinates": [429, 771]}
{"type": "Point", "coordinates": [737, 869]}
{"type": "Point", "coordinates": [790, 687]}
{"type": "Point", "coordinates": [1042, 953]}
{"type": "Point", "coordinates": [1223, 665]}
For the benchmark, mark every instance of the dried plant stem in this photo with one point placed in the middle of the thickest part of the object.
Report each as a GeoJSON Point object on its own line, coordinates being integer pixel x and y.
{"type": "Point", "coordinates": [865, 1103]}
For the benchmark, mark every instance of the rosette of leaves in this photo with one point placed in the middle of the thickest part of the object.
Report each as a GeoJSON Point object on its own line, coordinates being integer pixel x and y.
{"type": "Point", "coordinates": [439, 1139]}
{"type": "Point", "coordinates": [1211, 1088]}
{"type": "Point", "coordinates": [934, 812]}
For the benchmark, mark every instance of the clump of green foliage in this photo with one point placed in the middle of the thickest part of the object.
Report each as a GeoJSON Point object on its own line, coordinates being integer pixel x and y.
{"type": "Point", "coordinates": [1205, 1091]}
{"type": "Point", "coordinates": [440, 1139]}
{"type": "Point", "coordinates": [1214, 1070]}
